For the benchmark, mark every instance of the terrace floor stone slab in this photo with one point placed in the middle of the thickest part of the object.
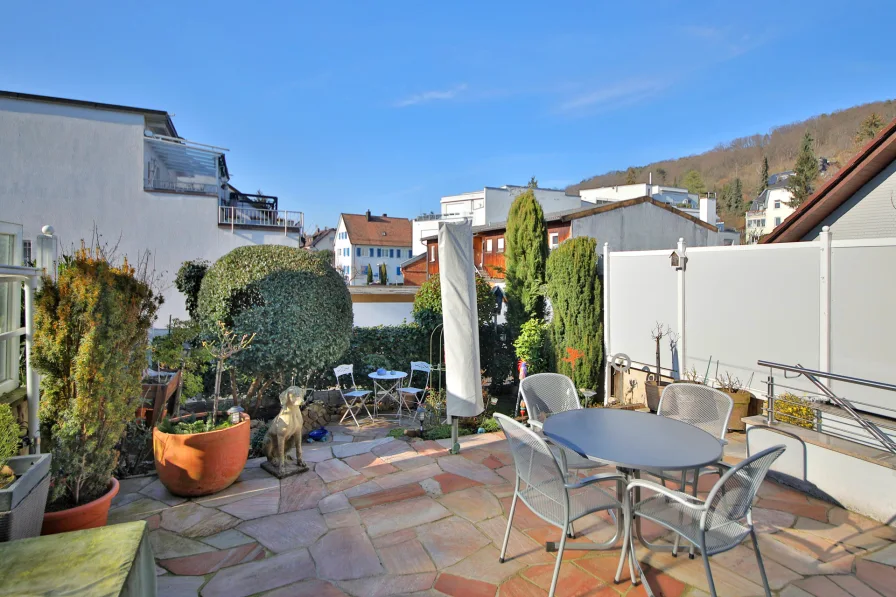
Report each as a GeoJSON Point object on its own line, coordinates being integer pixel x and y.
{"type": "Point", "coordinates": [259, 504]}
{"type": "Point", "coordinates": [407, 514]}
{"type": "Point", "coordinates": [414, 475]}
{"type": "Point", "coordinates": [333, 502]}
{"type": "Point", "coordinates": [355, 448]}
{"type": "Point", "coordinates": [308, 588]}
{"type": "Point", "coordinates": [471, 470]}
{"type": "Point", "coordinates": [342, 518]}
{"type": "Point", "coordinates": [474, 504]}
{"type": "Point", "coordinates": [179, 586]}
{"type": "Point", "coordinates": [254, 577]}
{"type": "Point", "coordinates": [136, 510]}
{"type": "Point", "coordinates": [206, 563]}
{"type": "Point", "coordinates": [157, 491]}
{"type": "Point", "coordinates": [227, 539]}
{"type": "Point", "coordinates": [370, 465]}
{"type": "Point", "coordinates": [166, 545]}
{"type": "Point", "coordinates": [451, 540]}
{"type": "Point", "coordinates": [388, 585]}
{"type": "Point", "coordinates": [284, 532]}
{"type": "Point", "coordinates": [407, 557]}
{"type": "Point", "coordinates": [317, 454]}
{"type": "Point", "coordinates": [386, 496]}
{"type": "Point", "coordinates": [484, 565]}
{"type": "Point", "coordinates": [345, 554]}
{"type": "Point", "coordinates": [302, 491]}
{"type": "Point", "coordinates": [334, 470]}
{"type": "Point", "coordinates": [240, 490]}
{"type": "Point", "coordinates": [194, 520]}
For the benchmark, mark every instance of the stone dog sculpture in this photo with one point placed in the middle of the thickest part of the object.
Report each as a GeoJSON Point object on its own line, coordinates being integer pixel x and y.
{"type": "Point", "coordinates": [285, 432]}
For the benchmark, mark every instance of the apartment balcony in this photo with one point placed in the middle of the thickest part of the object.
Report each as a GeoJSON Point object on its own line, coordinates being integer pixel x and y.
{"type": "Point", "coordinates": [448, 216]}
{"type": "Point", "coordinates": [180, 187]}
{"type": "Point", "coordinates": [257, 218]}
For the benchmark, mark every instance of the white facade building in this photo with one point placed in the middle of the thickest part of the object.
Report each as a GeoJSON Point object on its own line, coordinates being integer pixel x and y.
{"type": "Point", "coordinates": [675, 196]}
{"type": "Point", "coordinates": [124, 173]}
{"type": "Point", "coordinates": [770, 208]}
{"type": "Point", "coordinates": [366, 241]}
{"type": "Point", "coordinates": [488, 206]}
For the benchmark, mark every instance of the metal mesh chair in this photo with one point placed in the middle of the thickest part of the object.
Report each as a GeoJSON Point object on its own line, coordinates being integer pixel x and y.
{"type": "Point", "coordinates": [418, 394]}
{"type": "Point", "coordinates": [546, 394]}
{"type": "Point", "coordinates": [351, 395]}
{"type": "Point", "coordinates": [542, 485]}
{"type": "Point", "coordinates": [716, 525]}
{"type": "Point", "coordinates": [697, 405]}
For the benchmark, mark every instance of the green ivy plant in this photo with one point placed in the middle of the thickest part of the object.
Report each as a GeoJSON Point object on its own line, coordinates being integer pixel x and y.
{"type": "Point", "coordinates": [532, 345]}
{"type": "Point", "coordinates": [90, 338]}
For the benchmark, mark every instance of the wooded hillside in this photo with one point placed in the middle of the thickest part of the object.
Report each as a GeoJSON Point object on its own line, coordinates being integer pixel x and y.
{"type": "Point", "coordinates": [834, 137]}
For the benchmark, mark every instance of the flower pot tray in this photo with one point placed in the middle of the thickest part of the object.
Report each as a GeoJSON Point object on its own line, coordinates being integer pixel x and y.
{"type": "Point", "coordinates": [22, 503]}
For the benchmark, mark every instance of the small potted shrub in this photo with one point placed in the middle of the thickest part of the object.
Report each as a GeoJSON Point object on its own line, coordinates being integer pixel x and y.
{"type": "Point", "coordinates": [205, 453]}
{"type": "Point", "coordinates": [24, 483]}
{"type": "Point", "coordinates": [653, 388]}
{"type": "Point", "coordinates": [734, 388]}
{"type": "Point", "coordinates": [90, 340]}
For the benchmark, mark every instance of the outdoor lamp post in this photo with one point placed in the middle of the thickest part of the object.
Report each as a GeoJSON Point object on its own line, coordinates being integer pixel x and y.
{"type": "Point", "coordinates": [235, 413]}
{"type": "Point", "coordinates": [420, 415]}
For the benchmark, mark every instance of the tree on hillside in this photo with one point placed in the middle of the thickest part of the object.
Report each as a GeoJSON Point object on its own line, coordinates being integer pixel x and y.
{"type": "Point", "coordinates": [732, 197]}
{"type": "Point", "coordinates": [661, 172]}
{"type": "Point", "coordinates": [763, 175]}
{"type": "Point", "coordinates": [533, 183]}
{"type": "Point", "coordinates": [525, 257]}
{"type": "Point", "coordinates": [804, 173]}
{"type": "Point", "coordinates": [869, 128]}
{"type": "Point", "coordinates": [576, 330]}
{"type": "Point", "coordinates": [693, 182]}
{"type": "Point", "coordinates": [630, 176]}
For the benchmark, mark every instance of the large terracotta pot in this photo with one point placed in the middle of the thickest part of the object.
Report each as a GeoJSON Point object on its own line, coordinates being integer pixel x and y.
{"type": "Point", "coordinates": [86, 516]}
{"type": "Point", "coordinates": [653, 393]}
{"type": "Point", "coordinates": [741, 409]}
{"type": "Point", "coordinates": [201, 463]}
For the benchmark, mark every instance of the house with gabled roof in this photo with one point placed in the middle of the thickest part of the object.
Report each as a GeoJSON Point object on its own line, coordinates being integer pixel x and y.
{"type": "Point", "coordinates": [366, 241]}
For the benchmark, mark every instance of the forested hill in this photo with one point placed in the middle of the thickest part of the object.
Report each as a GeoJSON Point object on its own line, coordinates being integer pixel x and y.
{"type": "Point", "coordinates": [835, 138]}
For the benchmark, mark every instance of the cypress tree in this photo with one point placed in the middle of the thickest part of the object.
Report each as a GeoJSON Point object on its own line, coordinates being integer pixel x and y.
{"type": "Point", "coordinates": [804, 173]}
{"type": "Point", "coordinates": [369, 274]}
{"type": "Point", "coordinates": [525, 257]}
{"type": "Point", "coordinates": [576, 329]}
{"type": "Point", "coordinates": [763, 176]}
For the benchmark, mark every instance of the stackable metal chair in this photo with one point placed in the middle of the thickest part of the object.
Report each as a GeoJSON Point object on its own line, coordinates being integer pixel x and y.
{"type": "Point", "coordinates": [543, 486]}
{"type": "Point", "coordinates": [419, 394]}
{"type": "Point", "coordinates": [547, 394]}
{"type": "Point", "coordinates": [716, 525]}
{"type": "Point", "coordinates": [351, 395]}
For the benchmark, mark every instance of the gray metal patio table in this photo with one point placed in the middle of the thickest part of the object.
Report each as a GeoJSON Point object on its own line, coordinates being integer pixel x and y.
{"type": "Point", "coordinates": [632, 441]}
{"type": "Point", "coordinates": [386, 385]}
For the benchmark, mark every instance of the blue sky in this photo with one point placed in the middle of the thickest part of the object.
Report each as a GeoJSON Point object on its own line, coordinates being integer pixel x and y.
{"type": "Point", "coordinates": [337, 106]}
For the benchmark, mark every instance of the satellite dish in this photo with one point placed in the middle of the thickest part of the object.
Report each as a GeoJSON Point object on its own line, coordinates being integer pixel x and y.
{"type": "Point", "coordinates": [48, 230]}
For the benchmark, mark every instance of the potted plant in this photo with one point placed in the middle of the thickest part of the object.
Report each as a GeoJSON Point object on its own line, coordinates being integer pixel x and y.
{"type": "Point", "coordinates": [90, 340]}
{"type": "Point", "coordinates": [197, 456]}
{"type": "Point", "coordinates": [653, 388]}
{"type": "Point", "coordinates": [734, 388]}
{"type": "Point", "coordinates": [24, 483]}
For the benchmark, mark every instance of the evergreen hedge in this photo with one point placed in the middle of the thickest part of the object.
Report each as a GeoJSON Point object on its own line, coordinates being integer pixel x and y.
{"type": "Point", "coordinates": [525, 258]}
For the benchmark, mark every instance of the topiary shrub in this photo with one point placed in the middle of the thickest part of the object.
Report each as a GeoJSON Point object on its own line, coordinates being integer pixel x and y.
{"type": "Point", "coordinates": [576, 329]}
{"type": "Point", "coordinates": [189, 280]}
{"type": "Point", "coordinates": [427, 308]}
{"type": "Point", "coordinates": [297, 307]}
{"type": "Point", "coordinates": [90, 338]}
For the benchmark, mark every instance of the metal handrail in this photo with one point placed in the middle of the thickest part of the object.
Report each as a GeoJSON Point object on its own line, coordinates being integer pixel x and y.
{"type": "Point", "coordinates": [813, 375]}
{"type": "Point", "coordinates": [251, 216]}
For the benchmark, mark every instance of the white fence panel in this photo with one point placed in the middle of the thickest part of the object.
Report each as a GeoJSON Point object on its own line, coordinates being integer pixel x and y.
{"type": "Point", "coordinates": [749, 303]}
{"type": "Point", "coordinates": [642, 292]}
{"type": "Point", "coordinates": [863, 322]}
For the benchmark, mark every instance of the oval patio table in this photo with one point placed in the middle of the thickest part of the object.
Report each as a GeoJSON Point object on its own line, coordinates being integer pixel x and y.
{"type": "Point", "coordinates": [386, 385]}
{"type": "Point", "coordinates": [632, 441]}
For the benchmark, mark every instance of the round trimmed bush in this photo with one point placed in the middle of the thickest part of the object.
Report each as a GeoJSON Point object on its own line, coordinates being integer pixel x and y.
{"type": "Point", "coordinates": [296, 304]}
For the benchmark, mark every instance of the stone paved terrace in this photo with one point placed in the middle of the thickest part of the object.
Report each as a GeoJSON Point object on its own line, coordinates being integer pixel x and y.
{"type": "Point", "coordinates": [378, 517]}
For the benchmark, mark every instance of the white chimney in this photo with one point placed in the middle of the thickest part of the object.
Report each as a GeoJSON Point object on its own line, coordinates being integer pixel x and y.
{"type": "Point", "coordinates": [708, 210]}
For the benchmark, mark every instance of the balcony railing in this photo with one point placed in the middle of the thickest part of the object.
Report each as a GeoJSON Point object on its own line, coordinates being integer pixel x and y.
{"type": "Point", "coordinates": [176, 186]}
{"type": "Point", "coordinates": [429, 217]}
{"type": "Point", "coordinates": [242, 217]}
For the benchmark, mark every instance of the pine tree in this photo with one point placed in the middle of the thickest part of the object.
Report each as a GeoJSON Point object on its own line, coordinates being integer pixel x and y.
{"type": "Point", "coordinates": [869, 128]}
{"type": "Point", "coordinates": [576, 329]}
{"type": "Point", "coordinates": [737, 196]}
{"type": "Point", "coordinates": [533, 183]}
{"type": "Point", "coordinates": [384, 274]}
{"type": "Point", "coordinates": [763, 176]}
{"type": "Point", "coordinates": [524, 258]}
{"type": "Point", "coordinates": [693, 182]}
{"type": "Point", "coordinates": [661, 172]}
{"type": "Point", "coordinates": [804, 173]}
{"type": "Point", "coordinates": [630, 176]}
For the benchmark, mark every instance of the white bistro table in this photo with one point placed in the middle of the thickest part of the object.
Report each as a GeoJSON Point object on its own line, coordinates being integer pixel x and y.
{"type": "Point", "coordinates": [385, 385]}
{"type": "Point", "coordinates": [632, 441]}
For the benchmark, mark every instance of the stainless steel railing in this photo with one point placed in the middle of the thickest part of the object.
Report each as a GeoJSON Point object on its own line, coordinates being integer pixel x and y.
{"type": "Point", "coordinates": [809, 413]}
{"type": "Point", "coordinates": [250, 216]}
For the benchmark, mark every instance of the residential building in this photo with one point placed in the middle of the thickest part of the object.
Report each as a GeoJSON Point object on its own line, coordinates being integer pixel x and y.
{"type": "Point", "coordinates": [703, 208]}
{"type": "Point", "coordinates": [487, 206]}
{"type": "Point", "coordinates": [123, 173]}
{"type": "Point", "coordinates": [634, 224]}
{"type": "Point", "coordinates": [321, 240]}
{"type": "Point", "coordinates": [858, 202]}
{"type": "Point", "coordinates": [770, 208]}
{"type": "Point", "coordinates": [365, 241]}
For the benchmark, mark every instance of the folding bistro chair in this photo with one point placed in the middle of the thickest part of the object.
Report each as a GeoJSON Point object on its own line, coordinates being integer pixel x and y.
{"type": "Point", "coordinates": [716, 525]}
{"type": "Point", "coordinates": [543, 486]}
{"type": "Point", "coordinates": [351, 395]}
{"type": "Point", "coordinates": [410, 391]}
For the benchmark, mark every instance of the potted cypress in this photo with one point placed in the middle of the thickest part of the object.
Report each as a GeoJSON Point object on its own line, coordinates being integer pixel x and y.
{"type": "Point", "coordinates": [24, 482]}
{"type": "Point", "coordinates": [90, 341]}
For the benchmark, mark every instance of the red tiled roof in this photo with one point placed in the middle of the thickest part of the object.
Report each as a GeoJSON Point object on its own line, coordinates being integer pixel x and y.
{"type": "Point", "coordinates": [378, 230]}
{"type": "Point", "coordinates": [868, 163]}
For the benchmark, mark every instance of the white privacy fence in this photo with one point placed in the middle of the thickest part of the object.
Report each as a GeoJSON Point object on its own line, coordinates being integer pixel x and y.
{"type": "Point", "coordinates": [828, 305]}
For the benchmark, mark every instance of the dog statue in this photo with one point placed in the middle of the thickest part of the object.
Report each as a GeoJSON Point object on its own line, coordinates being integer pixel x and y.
{"type": "Point", "coordinates": [285, 432]}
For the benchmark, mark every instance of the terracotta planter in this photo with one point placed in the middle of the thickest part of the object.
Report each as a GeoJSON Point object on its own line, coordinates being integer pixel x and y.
{"type": "Point", "coordinates": [86, 516]}
{"type": "Point", "coordinates": [741, 409]}
{"type": "Point", "coordinates": [201, 463]}
{"type": "Point", "coordinates": [654, 392]}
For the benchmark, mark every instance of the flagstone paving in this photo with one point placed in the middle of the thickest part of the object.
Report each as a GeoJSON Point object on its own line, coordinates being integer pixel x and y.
{"type": "Point", "coordinates": [377, 516]}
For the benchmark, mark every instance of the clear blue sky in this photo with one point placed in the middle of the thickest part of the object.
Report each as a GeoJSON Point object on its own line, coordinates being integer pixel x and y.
{"type": "Point", "coordinates": [387, 105]}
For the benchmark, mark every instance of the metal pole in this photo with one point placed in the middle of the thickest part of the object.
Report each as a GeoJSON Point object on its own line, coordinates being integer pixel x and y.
{"type": "Point", "coordinates": [682, 333]}
{"type": "Point", "coordinates": [455, 445]}
{"type": "Point", "coordinates": [770, 394]}
{"type": "Point", "coordinates": [824, 336]}
{"type": "Point", "coordinates": [608, 371]}
{"type": "Point", "coordinates": [32, 382]}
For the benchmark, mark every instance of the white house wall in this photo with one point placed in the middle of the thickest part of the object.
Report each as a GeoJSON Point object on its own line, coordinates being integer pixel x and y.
{"type": "Point", "coordinates": [79, 169]}
{"type": "Point", "coordinates": [643, 227]}
{"type": "Point", "coordinates": [869, 213]}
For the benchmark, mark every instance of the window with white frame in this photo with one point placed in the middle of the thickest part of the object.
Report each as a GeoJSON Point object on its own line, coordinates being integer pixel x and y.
{"type": "Point", "coordinates": [392, 253]}
{"type": "Point", "coordinates": [432, 253]}
{"type": "Point", "coordinates": [777, 221]}
{"type": "Point", "coordinates": [777, 205]}
{"type": "Point", "coordinates": [27, 259]}
{"type": "Point", "coordinates": [553, 240]}
{"type": "Point", "coordinates": [501, 245]}
{"type": "Point", "coordinates": [488, 245]}
{"type": "Point", "coordinates": [10, 302]}
{"type": "Point", "coordinates": [358, 251]}
{"type": "Point", "coordinates": [379, 252]}
{"type": "Point", "coordinates": [370, 252]}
